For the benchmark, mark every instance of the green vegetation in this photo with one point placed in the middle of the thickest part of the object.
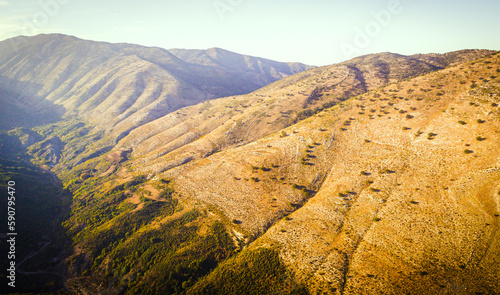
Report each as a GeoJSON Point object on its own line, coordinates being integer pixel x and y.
{"type": "Point", "coordinates": [467, 151]}
{"type": "Point", "coordinates": [304, 114]}
{"type": "Point", "coordinates": [131, 249]}
{"type": "Point", "coordinates": [462, 122]}
{"type": "Point", "coordinates": [169, 260]}
{"type": "Point", "coordinates": [257, 271]}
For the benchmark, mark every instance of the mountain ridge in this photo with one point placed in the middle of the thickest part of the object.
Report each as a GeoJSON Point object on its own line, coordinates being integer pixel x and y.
{"type": "Point", "coordinates": [82, 75]}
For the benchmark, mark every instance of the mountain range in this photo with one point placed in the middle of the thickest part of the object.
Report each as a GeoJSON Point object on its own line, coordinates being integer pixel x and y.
{"type": "Point", "coordinates": [210, 172]}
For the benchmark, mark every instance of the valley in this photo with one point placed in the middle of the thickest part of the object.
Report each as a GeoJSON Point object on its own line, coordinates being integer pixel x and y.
{"type": "Point", "coordinates": [209, 172]}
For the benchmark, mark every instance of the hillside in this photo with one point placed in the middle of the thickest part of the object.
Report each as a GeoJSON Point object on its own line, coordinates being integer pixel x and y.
{"type": "Point", "coordinates": [118, 87]}
{"type": "Point", "coordinates": [395, 191]}
{"type": "Point", "coordinates": [378, 175]}
{"type": "Point", "coordinates": [206, 128]}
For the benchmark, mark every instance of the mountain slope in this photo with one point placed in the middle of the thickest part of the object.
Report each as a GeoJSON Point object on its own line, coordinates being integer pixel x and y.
{"type": "Point", "coordinates": [210, 127]}
{"type": "Point", "coordinates": [119, 87]}
{"type": "Point", "coordinates": [377, 175]}
{"type": "Point", "coordinates": [391, 191]}
{"type": "Point", "coordinates": [402, 188]}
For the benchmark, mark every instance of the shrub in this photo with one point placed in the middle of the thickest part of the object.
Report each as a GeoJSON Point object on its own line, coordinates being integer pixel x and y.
{"type": "Point", "coordinates": [480, 138]}
{"type": "Point", "coordinates": [376, 219]}
{"type": "Point", "coordinates": [480, 121]}
{"type": "Point", "coordinates": [386, 171]}
{"type": "Point", "coordinates": [462, 122]}
{"type": "Point", "coordinates": [467, 151]}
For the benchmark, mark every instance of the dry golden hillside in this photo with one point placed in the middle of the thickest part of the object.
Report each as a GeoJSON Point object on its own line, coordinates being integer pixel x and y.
{"type": "Point", "coordinates": [396, 191]}
{"type": "Point", "coordinates": [219, 124]}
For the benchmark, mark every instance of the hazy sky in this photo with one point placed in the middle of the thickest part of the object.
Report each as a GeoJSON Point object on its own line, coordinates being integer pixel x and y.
{"type": "Point", "coordinates": [316, 32]}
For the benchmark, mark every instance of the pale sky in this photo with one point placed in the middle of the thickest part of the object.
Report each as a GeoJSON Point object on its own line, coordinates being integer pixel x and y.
{"type": "Point", "coordinates": [315, 32]}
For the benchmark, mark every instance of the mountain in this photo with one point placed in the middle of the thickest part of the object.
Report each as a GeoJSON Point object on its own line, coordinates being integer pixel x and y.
{"type": "Point", "coordinates": [378, 175]}
{"type": "Point", "coordinates": [394, 191]}
{"type": "Point", "coordinates": [206, 128]}
{"type": "Point", "coordinates": [118, 87]}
